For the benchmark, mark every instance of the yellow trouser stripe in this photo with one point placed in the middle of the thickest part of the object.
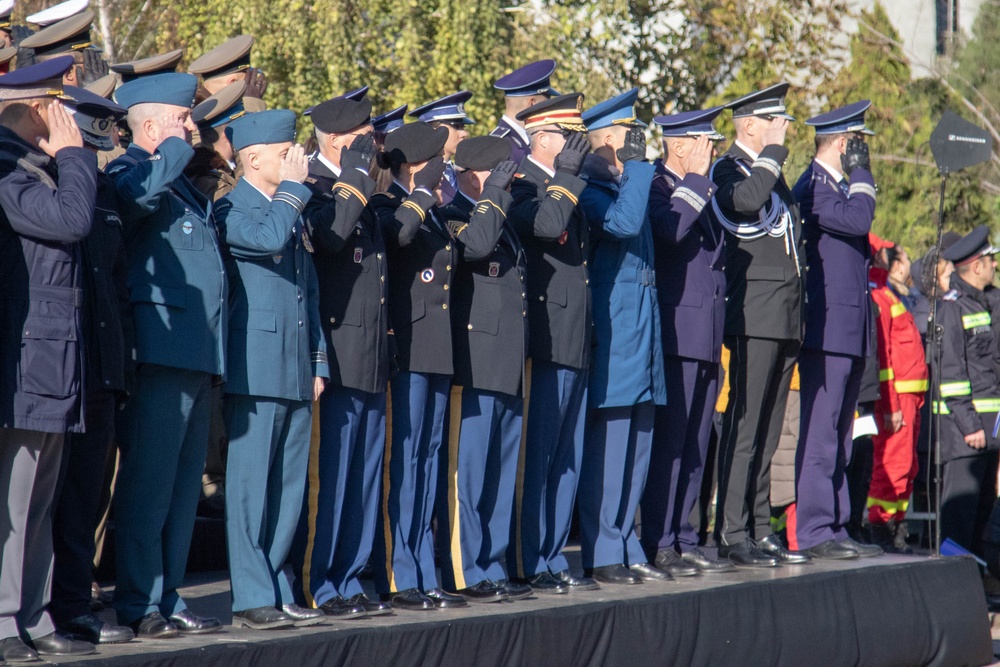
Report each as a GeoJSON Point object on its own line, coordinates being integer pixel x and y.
{"type": "Point", "coordinates": [890, 506]}
{"type": "Point", "coordinates": [386, 477]}
{"type": "Point", "coordinates": [521, 456]}
{"type": "Point", "coordinates": [910, 386]}
{"type": "Point", "coordinates": [454, 435]}
{"type": "Point", "coordinates": [886, 374]}
{"type": "Point", "coordinates": [313, 505]}
{"type": "Point", "coordinates": [896, 310]}
{"type": "Point", "coordinates": [974, 320]}
{"type": "Point", "coordinates": [940, 408]}
{"type": "Point", "coordinates": [949, 389]}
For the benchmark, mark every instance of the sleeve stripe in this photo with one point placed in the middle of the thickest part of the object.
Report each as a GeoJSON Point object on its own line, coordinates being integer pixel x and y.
{"type": "Point", "coordinates": [690, 197]}
{"type": "Point", "coordinates": [861, 189]}
{"type": "Point", "coordinates": [563, 191]}
{"type": "Point", "coordinates": [353, 190]}
{"type": "Point", "coordinates": [289, 199]}
{"type": "Point", "coordinates": [415, 207]}
{"type": "Point", "coordinates": [487, 201]}
{"type": "Point", "coordinates": [769, 164]}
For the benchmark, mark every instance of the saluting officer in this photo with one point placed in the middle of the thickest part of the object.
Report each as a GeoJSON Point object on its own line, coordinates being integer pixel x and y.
{"type": "Point", "coordinates": [177, 286]}
{"type": "Point", "coordinates": [691, 286]}
{"type": "Point", "coordinates": [970, 391]}
{"type": "Point", "coordinates": [523, 88]}
{"type": "Point", "coordinates": [384, 124]}
{"type": "Point", "coordinates": [213, 169]}
{"type": "Point", "coordinates": [68, 36]}
{"type": "Point", "coordinates": [449, 112]}
{"type": "Point", "coordinates": [840, 329]}
{"type": "Point", "coordinates": [226, 64]}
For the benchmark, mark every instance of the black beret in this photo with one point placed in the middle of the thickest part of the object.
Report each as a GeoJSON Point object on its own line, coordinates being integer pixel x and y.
{"type": "Point", "coordinates": [482, 153]}
{"type": "Point", "coordinates": [414, 142]}
{"type": "Point", "coordinates": [341, 114]}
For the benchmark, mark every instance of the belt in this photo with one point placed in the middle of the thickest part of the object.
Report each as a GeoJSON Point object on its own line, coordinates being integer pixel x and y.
{"type": "Point", "coordinates": [72, 296]}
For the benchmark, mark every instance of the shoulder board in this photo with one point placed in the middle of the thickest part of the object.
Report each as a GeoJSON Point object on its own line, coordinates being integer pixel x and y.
{"type": "Point", "coordinates": [951, 295]}
{"type": "Point", "coordinates": [500, 132]}
{"type": "Point", "coordinates": [310, 180]}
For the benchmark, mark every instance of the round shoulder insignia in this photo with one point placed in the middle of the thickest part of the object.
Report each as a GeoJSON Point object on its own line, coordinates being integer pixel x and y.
{"type": "Point", "coordinates": [951, 295]}
{"type": "Point", "coordinates": [187, 227]}
{"type": "Point", "coordinates": [427, 275]}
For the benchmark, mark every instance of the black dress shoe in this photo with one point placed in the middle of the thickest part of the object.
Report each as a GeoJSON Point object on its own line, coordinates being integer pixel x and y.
{"type": "Point", "coordinates": [153, 626]}
{"type": "Point", "coordinates": [832, 550]}
{"type": "Point", "coordinates": [411, 599]}
{"type": "Point", "coordinates": [90, 628]}
{"type": "Point", "coordinates": [55, 644]}
{"type": "Point", "coordinates": [614, 574]}
{"type": "Point", "coordinates": [338, 607]}
{"type": "Point", "coordinates": [864, 550]}
{"type": "Point", "coordinates": [443, 600]}
{"type": "Point", "coordinates": [576, 584]}
{"type": "Point", "coordinates": [187, 623]}
{"type": "Point", "coordinates": [543, 583]}
{"type": "Point", "coordinates": [371, 607]}
{"type": "Point", "coordinates": [772, 546]}
{"type": "Point", "coordinates": [515, 591]}
{"type": "Point", "coordinates": [13, 650]}
{"type": "Point", "coordinates": [262, 618]}
{"type": "Point", "coordinates": [648, 572]}
{"type": "Point", "coordinates": [484, 591]}
{"type": "Point", "coordinates": [706, 565]}
{"type": "Point", "coordinates": [302, 617]}
{"type": "Point", "coordinates": [670, 561]}
{"type": "Point", "coordinates": [746, 554]}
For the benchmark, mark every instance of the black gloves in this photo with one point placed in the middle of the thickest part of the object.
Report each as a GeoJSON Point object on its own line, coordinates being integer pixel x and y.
{"type": "Point", "coordinates": [635, 146]}
{"type": "Point", "coordinates": [570, 158]}
{"type": "Point", "coordinates": [502, 175]}
{"type": "Point", "coordinates": [430, 176]}
{"type": "Point", "coordinates": [856, 156]}
{"type": "Point", "coordinates": [360, 153]}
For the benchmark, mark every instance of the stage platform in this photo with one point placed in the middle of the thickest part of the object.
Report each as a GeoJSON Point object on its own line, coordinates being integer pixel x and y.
{"type": "Point", "coordinates": [893, 610]}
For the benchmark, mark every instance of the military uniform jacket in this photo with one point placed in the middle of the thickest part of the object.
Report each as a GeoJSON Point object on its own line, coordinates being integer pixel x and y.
{"type": "Point", "coordinates": [970, 386]}
{"type": "Point", "coordinates": [422, 260]}
{"type": "Point", "coordinates": [351, 266]}
{"type": "Point", "coordinates": [513, 132]}
{"type": "Point", "coordinates": [556, 240]}
{"type": "Point", "coordinates": [276, 345]}
{"type": "Point", "coordinates": [176, 276]}
{"type": "Point", "coordinates": [489, 304]}
{"type": "Point", "coordinates": [763, 282]}
{"type": "Point", "coordinates": [210, 174]}
{"type": "Point", "coordinates": [47, 210]}
{"type": "Point", "coordinates": [836, 220]}
{"type": "Point", "coordinates": [690, 280]}
{"type": "Point", "coordinates": [627, 363]}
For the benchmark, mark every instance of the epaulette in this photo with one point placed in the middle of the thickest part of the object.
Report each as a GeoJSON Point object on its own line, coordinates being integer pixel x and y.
{"type": "Point", "coordinates": [951, 295]}
{"type": "Point", "coordinates": [500, 132]}
{"type": "Point", "coordinates": [310, 180]}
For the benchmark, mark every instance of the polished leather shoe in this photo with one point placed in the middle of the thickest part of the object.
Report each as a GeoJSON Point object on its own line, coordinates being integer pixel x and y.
{"type": "Point", "coordinates": [670, 561]}
{"type": "Point", "coordinates": [443, 600]}
{"type": "Point", "coordinates": [515, 591]}
{"type": "Point", "coordinates": [864, 550]}
{"type": "Point", "coordinates": [772, 546]}
{"type": "Point", "coordinates": [706, 565]}
{"type": "Point", "coordinates": [262, 618]}
{"type": "Point", "coordinates": [411, 598]}
{"type": "Point", "coordinates": [576, 584]}
{"type": "Point", "coordinates": [338, 607]}
{"type": "Point", "coordinates": [648, 572]}
{"type": "Point", "coordinates": [614, 574]}
{"type": "Point", "coordinates": [187, 623]}
{"type": "Point", "coordinates": [371, 607]}
{"type": "Point", "coordinates": [484, 591]}
{"type": "Point", "coordinates": [55, 644]}
{"type": "Point", "coordinates": [303, 617]}
{"type": "Point", "coordinates": [13, 650]}
{"type": "Point", "coordinates": [832, 550]}
{"type": "Point", "coordinates": [89, 628]}
{"type": "Point", "coordinates": [543, 583]}
{"type": "Point", "coordinates": [153, 626]}
{"type": "Point", "coordinates": [746, 554]}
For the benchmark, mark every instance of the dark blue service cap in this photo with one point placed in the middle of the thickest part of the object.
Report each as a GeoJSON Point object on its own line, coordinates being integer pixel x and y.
{"type": "Point", "coordinates": [532, 79]}
{"type": "Point", "coordinates": [845, 119]}
{"type": "Point", "coordinates": [341, 114]}
{"type": "Point", "coordinates": [390, 120]}
{"type": "Point", "coordinates": [356, 95]}
{"type": "Point", "coordinates": [619, 110]}
{"type": "Point", "coordinates": [691, 124]}
{"type": "Point", "coordinates": [767, 102]}
{"type": "Point", "coordinates": [482, 153]}
{"type": "Point", "coordinates": [271, 126]}
{"type": "Point", "coordinates": [449, 107]}
{"type": "Point", "coordinates": [973, 245]}
{"type": "Point", "coordinates": [415, 142]}
{"type": "Point", "coordinates": [176, 88]}
{"type": "Point", "coordinates": [42, 79]}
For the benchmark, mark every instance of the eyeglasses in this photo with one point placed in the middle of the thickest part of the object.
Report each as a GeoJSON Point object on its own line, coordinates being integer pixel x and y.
{"type": "Point", "coordinates": [454, 124]}
{"type": "Point", "coordinates": [564, 133]}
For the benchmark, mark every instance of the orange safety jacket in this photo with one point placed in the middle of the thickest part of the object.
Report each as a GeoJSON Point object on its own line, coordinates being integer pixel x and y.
{"type": "Point", "coordinates": [902, 367]}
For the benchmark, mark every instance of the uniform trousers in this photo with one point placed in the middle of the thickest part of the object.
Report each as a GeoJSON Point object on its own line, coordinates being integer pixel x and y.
{"type": "Point", "coordinates": [337, 526]}
{"type": "Point", "coordinates": [681, 435]}
{"type": "Point", "coordinates": [760, 373]}
{"type": "Point", "coordinates": [549, 468]}
{"type": "Point", "coordinates": [475, 508]}
{"type": "Point", "coordinates": [968, 491]}
{"type": "Point", "coordinates": [77, 507]}
{"type": "Point", "coordinates": [829, 395]}
{"type": "Point", "coordinates": [612, 478]}
{"type": "Point", "coordinates": [267, 462]}
{"type": "Point", "coordinates": [29, 470]}
{"type": "Point", "coordinates": [162, 457]}
{"type": "Point", "coordinates": [895, 465]}
{"type": "Point", "coordinates": [404, 542]}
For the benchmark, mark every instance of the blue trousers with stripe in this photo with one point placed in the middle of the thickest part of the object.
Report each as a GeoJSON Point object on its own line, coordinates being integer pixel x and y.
{"type": "Point", "coordinates": [266, 477]}
{"type": "Point", "coordinates": [477, 499]}
{"type": "Point", "coordinates": [612, 479]}
{"type": "Point", "coordinates": [549, 468]}
{"type": "Point", "coordinates": [337, 527]}
{"type": "Point", "coordinates": [404, 542]}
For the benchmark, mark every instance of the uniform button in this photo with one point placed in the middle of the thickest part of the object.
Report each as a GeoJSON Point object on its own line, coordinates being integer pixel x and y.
{"type": "Point", "coordinates": [378, 255]}
{"type": "Point", "coordinates": [448, 268]}
{"type": "Point", "coordinates": [300, 322]}
{"type": "Point", "coordinates": [446, 287]}
{"type": "Point", "coordinates": [96, 270]}
{"type": "Point", "coordinates": [447, 247]}
{"type": "Point", "coordinates": [107, 382]}
{"type": "Point", "coordinates": [382, 300]}
{"type": "Point", "coordinates": [586, 282]}
{"type": "Point", "coordinates": [524, 313]}
{"type": "Point", "coordinates": [581, 246]}
{"type": "Point", "coordinates": [470, 327]}
{"type": "Point", "coordinates": [444, 306]}
{"type": "Point", "coordinates": [541, 298]}
{"type": "Point", "coordinates": [300, 297]}
{"type": "Point", "coordinates": [382, 278]}
{"type": "Point", "coordinates": [333, 320]}
{"type": "Point", "coordinates": [103, 325]}
{"type": "Point", "coordinates": [523, 295]}
{"type": "Point", "coordinates": [585, 262]}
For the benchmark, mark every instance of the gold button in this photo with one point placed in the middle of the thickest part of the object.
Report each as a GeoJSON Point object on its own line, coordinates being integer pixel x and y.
{"type": "Point", "coordinates": [378, 255]}
{"type": "Point", "coordinates": [448, 268]}
{"type": "Point", "coordinates": [382, 278]}
{"type": "Point", "coordinates": [444, 306]}
{"type": "Point", "coordinates": [446, 287]}
{"type": "Point", "coordinates": [447, 247]}
{"type": "Point", "coordinates": [333, 320]}
{"type": "Point", "coordinates": [470, 327]}
{"type": "Point", "coordinates": [382, 300]}
{"type": "Point", "coordinates": [586, 282]}
{"type": "Point", "coordinates": [585, 262]}
{"type": "Point", "coordinates": [523, 295]}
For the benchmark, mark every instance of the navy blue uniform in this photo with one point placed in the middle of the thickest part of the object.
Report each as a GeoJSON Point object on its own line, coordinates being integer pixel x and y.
{"type": "Point", "coordinates": [513, 132]}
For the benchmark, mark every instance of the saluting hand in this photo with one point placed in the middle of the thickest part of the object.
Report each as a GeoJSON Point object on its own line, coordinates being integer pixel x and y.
{"type": "Point", "coordinates": [502, 175]}
{"type": "Point", "coordinates": [63, 131]}
{"type": "Point", "coordinates": [295, 165]}
{"type": "Point", "coordinates": [699, 158]}
{"type": "Point", "coordinates": [359, 154]}
{"type": "Point", "coordinates": [570, 158]}
{"type": "Point", "coordinates": [634, 147]}
{"type": "Point", "coordinates": [256, 83]}
{"type": "Point", "coordinates": [319, 384]}
{"type": "Point", "coordinates": [774, 133]}
{"type": "Point", "coordinates": [430, 175]}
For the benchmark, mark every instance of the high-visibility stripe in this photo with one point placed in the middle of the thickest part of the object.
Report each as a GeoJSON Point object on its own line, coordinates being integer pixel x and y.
{"type": "Point", "coordinates": [981, 319]}
{"type": "Point", "coordinates": [890, 506]}
{"type": "Point", "coordinates": [386, 478]}
{"type": "Point", "coordinates": [778, 523]}
{"type": "Point", "coordinates": [910, 386]}
{"type": "Point", "coordinates": [896, 310]}
{"type": "Point", "coordinates": [313, 506]}
{"type": "Point", "coordinates": [454, 435]}
{"type": "Point", "coordinates": [886, 374]}
{"type": "Point", "coordinates": [949, 389]}
{"type": "Point", "coordinates": [940, 408]}
{"type": "Point", "coordinates": [986, 404]}
{"type": "Point", "coordinates": [519, 480]}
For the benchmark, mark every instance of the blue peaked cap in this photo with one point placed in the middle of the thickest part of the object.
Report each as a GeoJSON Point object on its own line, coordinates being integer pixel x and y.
{"type": "Point", "coordinates": [449, 107]}
{"type": "Point", "coordinates": [845, 119]}
{"type": "Point", "coordinates": [691, 124]}
{"type": "Point", "coordinates": [618, 110]}
{"type": "Point", "coordinates": [273, 126]}
{"type": "Point", "coordinates": [390, 120]}
{"type": "Point", "coordinates": [532, 79]}
{"type": "Point", "coordinates": [175, 88]}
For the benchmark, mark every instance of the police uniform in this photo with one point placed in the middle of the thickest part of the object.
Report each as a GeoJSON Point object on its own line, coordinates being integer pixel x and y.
{"type": "Point", "coordinates": [177, 287]}
{"type": "Point", "coordinates": [691, 286]}
{"type": "Point", "coordinates": [839, 332]}
{"type": "Point", "coordinates": [969, 397]}
{"type": "Point", "coordinates": [450, 111]}
{"type": "Point", "coordinates": [530, 80]}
